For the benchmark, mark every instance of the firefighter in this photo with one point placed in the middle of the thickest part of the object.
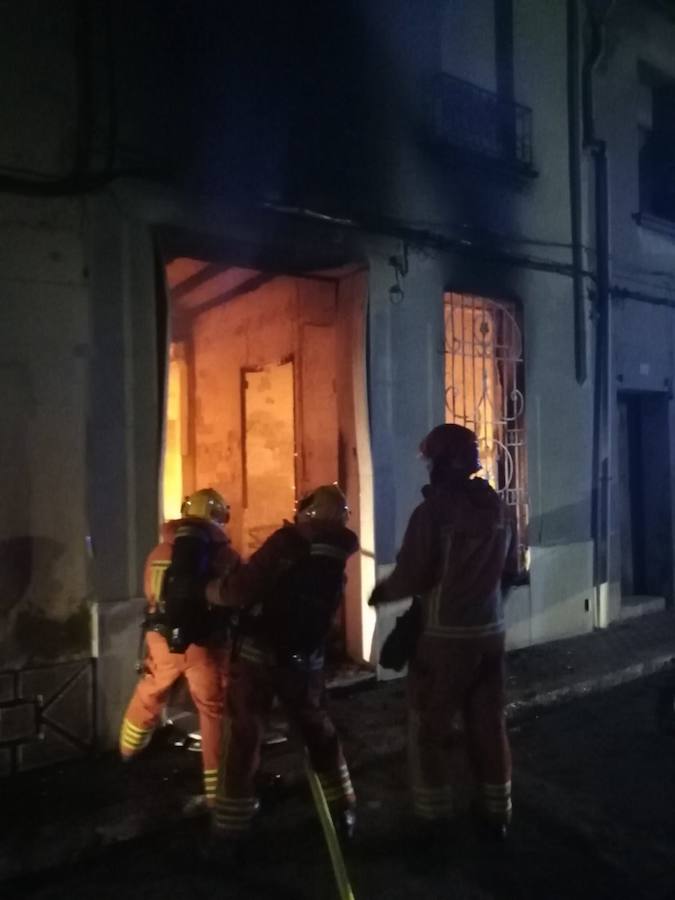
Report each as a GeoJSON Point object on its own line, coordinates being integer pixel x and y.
{"type": "Point", "coordinates": [202, 661]}
{"type": "Point", "coordinates": [454, 554]}
{"type": "Point", "coordinates": [289, 592]}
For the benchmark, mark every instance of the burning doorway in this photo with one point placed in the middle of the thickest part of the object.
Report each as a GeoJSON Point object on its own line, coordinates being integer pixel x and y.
{"type": "Point", "coordinates": [265, 400]}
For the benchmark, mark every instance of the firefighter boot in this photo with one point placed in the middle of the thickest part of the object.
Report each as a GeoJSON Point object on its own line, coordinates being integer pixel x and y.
{"type": "Point", "coordinates": [269, 787]}
{"type": "Point", "coordinates": [345, 825]}
{"type": "Point", "coordinates": [493, 831]}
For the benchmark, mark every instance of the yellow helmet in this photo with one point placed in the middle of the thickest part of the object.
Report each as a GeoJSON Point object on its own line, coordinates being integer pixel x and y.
{"type": "Point", "coordinates": [326, 503]}
{"type": "Point", "coordinates": [206, 504]}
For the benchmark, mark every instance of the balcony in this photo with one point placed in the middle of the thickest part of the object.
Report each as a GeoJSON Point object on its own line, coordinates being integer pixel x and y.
{"type": "Point", "coordinates": [482, 127]}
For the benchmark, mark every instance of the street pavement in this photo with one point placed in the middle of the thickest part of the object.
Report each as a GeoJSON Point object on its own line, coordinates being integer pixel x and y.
{"type": "Point", "coordinates": [594, 801]}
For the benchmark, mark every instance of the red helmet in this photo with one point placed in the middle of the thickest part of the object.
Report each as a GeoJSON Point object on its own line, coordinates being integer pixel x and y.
{"type": "Point", "coordinates": [453, 444]}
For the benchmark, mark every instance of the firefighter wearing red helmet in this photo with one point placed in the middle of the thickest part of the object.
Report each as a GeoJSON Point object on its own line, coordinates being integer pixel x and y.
{"type": "Point", "coordinates": [455, 552]}
{"type": "Point", "coordinates": [200, 654]}
{"type": "Point", "coordinates": [452, 448]}
{"type": "Point", "coordinates": [288, 594]}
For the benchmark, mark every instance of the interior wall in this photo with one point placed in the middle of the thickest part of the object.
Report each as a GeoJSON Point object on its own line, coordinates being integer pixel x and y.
{"type": "Point", "coordinates": [268, 450]}
{"type": "Point", "coordinates": [316, 374]}
{"type": "Point", "coordinates": [285, 319]}
{"type": "Point", "coordinates": [250, 331]}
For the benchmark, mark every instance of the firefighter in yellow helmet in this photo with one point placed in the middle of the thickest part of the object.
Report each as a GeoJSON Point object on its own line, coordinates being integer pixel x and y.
{"type": "Point", "coordinates": [184, 636]}
{"type": "Point", "coordinates": [206, 504]}
{"type": "Point", "coordinates": [289, 593]}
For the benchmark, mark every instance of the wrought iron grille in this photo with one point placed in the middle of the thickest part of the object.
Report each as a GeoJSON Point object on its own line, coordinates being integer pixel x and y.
{"type": "Point", "coordinates": [473, 119]}
{"type": "Point", "coordinates": [483, 391]}
{"type": "Point", "coordinates": [46, 715]}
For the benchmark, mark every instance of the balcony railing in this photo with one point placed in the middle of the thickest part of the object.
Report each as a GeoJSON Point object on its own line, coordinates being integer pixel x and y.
{"type": "Point", "coordinates": [479, 122]}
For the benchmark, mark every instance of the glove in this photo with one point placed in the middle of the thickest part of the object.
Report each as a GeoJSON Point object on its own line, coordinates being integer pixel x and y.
{"type": "Point", "coordinates": [379, 594]}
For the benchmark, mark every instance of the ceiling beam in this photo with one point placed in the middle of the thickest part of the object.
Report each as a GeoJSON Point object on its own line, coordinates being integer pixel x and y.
{"type": "Point", "coordinates": [246, 287]}
{"type": "Point", "coordinates": [183, 288]}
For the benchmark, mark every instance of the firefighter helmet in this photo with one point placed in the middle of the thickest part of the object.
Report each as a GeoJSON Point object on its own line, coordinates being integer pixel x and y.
{"type": "Point", "coordinates": [326, 503]}
{"type": "Point", "coordinates": [206, 504]}
{"type": "Point", "coordinates": [453, 445]}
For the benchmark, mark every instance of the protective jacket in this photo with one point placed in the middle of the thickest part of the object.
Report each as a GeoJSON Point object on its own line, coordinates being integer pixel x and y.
{"type": "Point", "coordinates": [455, 550]}
{"type": "Point", "coordinates": [291, 587]}
{"type": "Point", "coordinates": [288, 592]}
{"type": "Point", "coordinates": [224, 559]}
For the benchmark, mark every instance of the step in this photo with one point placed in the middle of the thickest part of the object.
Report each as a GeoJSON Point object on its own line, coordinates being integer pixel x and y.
{"type": "Point", "coordinates": [640, 605]}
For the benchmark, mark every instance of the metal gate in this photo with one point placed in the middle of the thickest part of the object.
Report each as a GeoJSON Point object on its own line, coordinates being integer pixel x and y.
{"type": "Point", "coordinates": [46, 715]}
{"type": "Point", "coordinates": [484, 392]}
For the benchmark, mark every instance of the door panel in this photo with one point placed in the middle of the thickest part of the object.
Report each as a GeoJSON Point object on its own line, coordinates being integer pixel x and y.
{"type": "Point", "coordinates": [269, 451]}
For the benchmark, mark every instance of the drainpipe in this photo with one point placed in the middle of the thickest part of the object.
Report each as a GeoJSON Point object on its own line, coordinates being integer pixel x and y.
{"type": "Point", "coordinates": [603, 406]}
{"type": "Point", "coordinates": [574, 155]}
{"type": "Point", "coordinates": [603, 380]}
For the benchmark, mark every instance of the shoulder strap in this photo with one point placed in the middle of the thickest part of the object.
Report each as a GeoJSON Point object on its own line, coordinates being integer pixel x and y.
{"type": "Point", "coordinates": [332, 551]}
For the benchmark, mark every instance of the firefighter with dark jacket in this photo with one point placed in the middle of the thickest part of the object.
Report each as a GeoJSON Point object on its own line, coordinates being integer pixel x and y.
{"type": "Point", "coordinates": [454, 555]}
{"type": "Point", "coordinates": [288, 593]}
{"type": "Point", "coordinates": [192, 642]}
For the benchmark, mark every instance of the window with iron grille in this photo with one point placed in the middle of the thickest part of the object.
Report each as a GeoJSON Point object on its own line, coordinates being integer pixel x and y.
{"type": "Point", "coordinates": [484, 392]}
{"type": "Point", "coordinates": [656, 121]}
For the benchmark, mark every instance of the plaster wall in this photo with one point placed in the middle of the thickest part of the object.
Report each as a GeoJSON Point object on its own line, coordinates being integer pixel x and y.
{"type": "Point", "coordinates": [251, 331]}
{"type": "Point", "coordinates": [277, 322]}
{"type": "Point", "coordinates": [404, 404]}
{"type": "Point", "coordinates": [38, 99]}
{"type": "Point", "coordinates": [639, 37]}
{"type": "Point", "coordinates": [44, 348]}
{"type": "Point", "coordinates": [468, 42]}
{"type": "Point", "coordinates": [407, 399]}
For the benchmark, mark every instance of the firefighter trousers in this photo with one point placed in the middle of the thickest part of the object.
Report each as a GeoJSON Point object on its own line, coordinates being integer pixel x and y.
{"type": "Point", "coordinates": [457, 729]}
{"type": "Point", "coordinates": [252, 688]}
{"type": "Point", "coordinates": [204, 670]}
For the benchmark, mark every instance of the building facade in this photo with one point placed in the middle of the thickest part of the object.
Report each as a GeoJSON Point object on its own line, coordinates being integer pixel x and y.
{"type": "Point", "coordinates": [267, 253]}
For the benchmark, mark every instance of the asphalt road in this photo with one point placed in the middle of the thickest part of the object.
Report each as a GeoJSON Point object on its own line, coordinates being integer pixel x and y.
{"type": "Point", "coordinates": [594, 802]}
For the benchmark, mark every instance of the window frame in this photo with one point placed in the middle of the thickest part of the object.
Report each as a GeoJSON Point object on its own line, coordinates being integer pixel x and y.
{"type": "Point", "coordinates": [505, 350]}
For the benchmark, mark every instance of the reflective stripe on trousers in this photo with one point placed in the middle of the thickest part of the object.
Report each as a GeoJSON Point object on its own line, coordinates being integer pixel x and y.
{"type": "Point", "coordinates": [252, 688]}
{"type": "Point", "coordinates": [457, 737]}
{"type": "Point", "coordinates": [205, 671]}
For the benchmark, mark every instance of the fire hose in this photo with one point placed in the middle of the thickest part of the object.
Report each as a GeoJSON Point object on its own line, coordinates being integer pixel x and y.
{"type": "Point", "coordinates": [329, 833]}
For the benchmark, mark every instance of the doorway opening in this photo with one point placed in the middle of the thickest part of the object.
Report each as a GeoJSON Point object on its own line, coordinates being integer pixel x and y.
{"type": "Point", "coordinates": [265, 400]}
{"type": "Point", "coordinates": [644, 501]}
